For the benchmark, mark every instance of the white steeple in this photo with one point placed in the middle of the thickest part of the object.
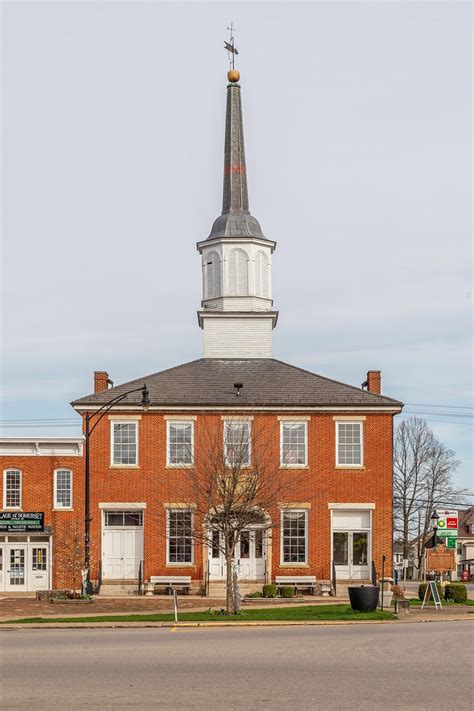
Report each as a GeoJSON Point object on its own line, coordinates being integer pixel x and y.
{"type": "Point", "coordinates": [237, 315]}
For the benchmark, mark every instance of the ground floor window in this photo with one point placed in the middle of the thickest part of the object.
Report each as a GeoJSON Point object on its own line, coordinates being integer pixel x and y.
{"type": "Point", "coordinates": [294, 536]}
{"type": "Point", "coordinates": [180, 532]}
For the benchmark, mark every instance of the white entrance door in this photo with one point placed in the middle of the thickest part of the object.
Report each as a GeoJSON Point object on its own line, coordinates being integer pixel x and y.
{"type": "Point", "coordinates": [122, 544]}
{"type": "Point", "coordinates": [38, 568]}
{"type": "Point", "coordinates": [351, 544]}
{"type": "Point", "coordinates": [16, 568]}
{"type": "Point", "coordinates": [249, 556]}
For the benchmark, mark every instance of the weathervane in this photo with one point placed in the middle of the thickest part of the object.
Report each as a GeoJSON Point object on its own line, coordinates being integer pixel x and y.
{"type": "Point", "coordinates": [230, 47]}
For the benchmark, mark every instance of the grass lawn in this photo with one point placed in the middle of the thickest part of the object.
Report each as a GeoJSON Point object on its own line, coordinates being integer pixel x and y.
{"type": "Point", "coordinates": [306, 612]}
{"type": "Point", "coordinates": [417, 603]}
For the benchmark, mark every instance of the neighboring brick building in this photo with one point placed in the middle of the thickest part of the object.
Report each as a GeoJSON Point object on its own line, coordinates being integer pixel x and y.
{"type": "Point", "coordinates": [333, 440]}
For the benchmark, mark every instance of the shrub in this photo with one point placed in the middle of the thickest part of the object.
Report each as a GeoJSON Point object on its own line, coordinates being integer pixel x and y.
{"type": "Point", "coordinates": [257, 593]}
{"type": "Point", "coordinates": [422, 589]}
{"type": "Point", "coordinates": [269, 591]}
{"type": "Point", "coordinates": [455, 592]}
{"type": "Point", "coordinates": [287, 591]}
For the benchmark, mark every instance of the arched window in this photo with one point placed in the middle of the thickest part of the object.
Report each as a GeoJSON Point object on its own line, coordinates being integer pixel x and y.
{"type": "Point", "coordinates": [212, 275]}
{"type": "Point", "coordinates": [238, 272]}
{"type": "Point", "coordinates": [262, 275]}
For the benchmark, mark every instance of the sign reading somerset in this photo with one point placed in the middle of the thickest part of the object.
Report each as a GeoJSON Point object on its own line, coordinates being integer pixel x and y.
{"type": "Point", "coordinates": [21, 521]}
{"type": "Point", "coordinates": [447, 524]}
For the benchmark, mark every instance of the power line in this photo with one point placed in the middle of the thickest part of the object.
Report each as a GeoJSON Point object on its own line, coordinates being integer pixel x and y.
{"type": "Point", "coordinates": [456, 407]}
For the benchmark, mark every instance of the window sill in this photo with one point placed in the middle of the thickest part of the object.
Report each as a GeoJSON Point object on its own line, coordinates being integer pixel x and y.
{"type": "Point", "coordinates": [350, 466]}
{"type": "Point", "coordinates": [124, 466]}
{"type": "Point", "coordinates": [294, 466]}
{"type": "Point", "coordinates": [179, 466]}
{"type": "Point", "coordinates": [294, 565]}
{"type": "Point", "coordinates": [180, 565]}
{"type": "Point", "coordinates": [63, 508]}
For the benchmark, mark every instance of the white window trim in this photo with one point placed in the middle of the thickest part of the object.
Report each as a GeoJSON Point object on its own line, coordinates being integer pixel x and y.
{"type": "Point", "coordinates": [56, 506]}
{"type": "Point", "coordinates": [127, 421]}
{"type": "Point", "coordinates": [294, 422]}
{"type": "Point", "coordinates": [169, 464]}
{"type": "Point", "coordinates": [238, 421]}
{"type": "Point", "coordinates": [302, 563]}
{"type": "Point", "coordinates": [338, 422]}
{"type": "Point", "coordinates": [12, 508]}
{"type": "Point", "coordinates": [174, 563]}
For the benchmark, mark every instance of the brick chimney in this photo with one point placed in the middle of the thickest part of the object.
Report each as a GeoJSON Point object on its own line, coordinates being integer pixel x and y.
{"type": "Point", "coordinates": [374, 381]}
{"type": "Point", "coordinates": [101, 381]}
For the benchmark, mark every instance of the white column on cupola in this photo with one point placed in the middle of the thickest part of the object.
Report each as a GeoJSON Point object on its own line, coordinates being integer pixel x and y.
{"type": "Point", "coordinates": [237, 314]}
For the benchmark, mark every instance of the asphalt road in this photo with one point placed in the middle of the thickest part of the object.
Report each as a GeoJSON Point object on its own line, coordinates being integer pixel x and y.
{"type": "Point", "coordinates": [404, 666]}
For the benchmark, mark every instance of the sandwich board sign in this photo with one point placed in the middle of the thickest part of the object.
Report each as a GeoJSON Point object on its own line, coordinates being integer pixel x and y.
{"type": "Point", "coordinates": [432, 591]}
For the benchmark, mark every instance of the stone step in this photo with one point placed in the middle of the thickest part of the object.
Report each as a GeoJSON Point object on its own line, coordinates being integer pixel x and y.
{"type": "Point", "coordinates": [118, 589]}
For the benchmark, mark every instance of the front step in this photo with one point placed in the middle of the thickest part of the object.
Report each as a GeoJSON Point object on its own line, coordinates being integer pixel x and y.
{"type": "Point", "coordinates": [118, 588]}
{"type": "Point", "coordinates": [218, 588]}
{"type": "Point", "coordinates": [342, 585]}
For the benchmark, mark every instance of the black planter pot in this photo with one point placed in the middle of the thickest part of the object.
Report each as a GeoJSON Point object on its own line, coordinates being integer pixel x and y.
{"type": "Point", "coordinates": [364, 598]}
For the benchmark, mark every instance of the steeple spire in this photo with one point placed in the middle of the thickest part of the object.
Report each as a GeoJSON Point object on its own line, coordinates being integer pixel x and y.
{"type": "Point", "coordinates": [235, 219]}
{"type": "Point", "coordinates": [235, 196]}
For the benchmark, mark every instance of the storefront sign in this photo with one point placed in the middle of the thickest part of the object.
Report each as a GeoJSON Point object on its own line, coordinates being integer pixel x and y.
{"type": "Point", "coordinates": [447, 524]}
{"type": "Point", "coordinates": [21, 521]}
{"type": "Point", "coordinates": [450, 543]}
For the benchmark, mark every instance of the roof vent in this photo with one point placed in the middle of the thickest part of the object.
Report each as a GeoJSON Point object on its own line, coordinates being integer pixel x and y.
{"type": "Point", "coordinates": [238, 387]}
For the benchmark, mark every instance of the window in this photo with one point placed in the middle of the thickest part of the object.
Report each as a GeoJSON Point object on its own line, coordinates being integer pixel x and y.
{"type": "Point", "coordinates": [237, 443]}
{"type": "Point", "coordinates": [349, 444]}
{"type": "Point", "coordinates": [12, 489]}
{"type": "Point", "coordinates": [132, 519]}
{"type": "Point", "coordinates": [124, 442]}
{"type": "Point", "coordinates": [294, 536]}
{"type": "Point", "coordinates": [293, 444]}
{"type": "Point", "coordinates": [180, 532]}
{"type": "Point", "coordinates": [39, 559]}
{"type": "Point", "coordinates": [238, 272]}
{"type": "Point", "coordinates": [63, 489]}
{"type": "Point", "coordinates": [212, 275]}
{"type": "Point", "coordinates": [180, 445]}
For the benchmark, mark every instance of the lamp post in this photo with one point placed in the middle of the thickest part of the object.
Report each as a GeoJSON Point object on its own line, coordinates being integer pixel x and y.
{"type": "Point", "coordinates": [435, 519]}
{"type": "Point", "coordinates": [88, 430]}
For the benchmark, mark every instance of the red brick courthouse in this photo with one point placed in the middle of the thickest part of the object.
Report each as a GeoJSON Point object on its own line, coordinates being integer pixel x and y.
{"type": "Point", "coordinates": [331, 440]}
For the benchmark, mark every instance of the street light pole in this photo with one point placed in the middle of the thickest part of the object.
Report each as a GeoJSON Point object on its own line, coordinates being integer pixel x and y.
{"type": "Point", "coordinates": [88, 430]}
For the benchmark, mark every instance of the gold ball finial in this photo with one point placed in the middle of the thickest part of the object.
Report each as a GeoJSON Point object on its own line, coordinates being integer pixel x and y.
{"type": "Point", "coordinates": [233, 76]}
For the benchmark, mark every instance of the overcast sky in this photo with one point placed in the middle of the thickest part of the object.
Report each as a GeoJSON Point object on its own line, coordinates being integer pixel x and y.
{"type": "Point", "coordinates": [358, 139]}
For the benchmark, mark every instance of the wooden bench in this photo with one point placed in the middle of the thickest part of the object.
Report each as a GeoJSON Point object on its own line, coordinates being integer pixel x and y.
{"type": "Point", "coordinates": [297, 582]}
{"type": "Point", "coordinates": [171, 582]}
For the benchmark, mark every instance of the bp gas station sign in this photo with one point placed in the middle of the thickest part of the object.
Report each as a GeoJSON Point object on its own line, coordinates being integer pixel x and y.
{"type": "Point", "coordinates": [448, 526]}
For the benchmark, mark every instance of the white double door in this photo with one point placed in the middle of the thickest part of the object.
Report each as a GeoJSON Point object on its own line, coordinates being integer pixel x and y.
{"type": "Point", "coordinates": [122, 552]}
{"type": "Point", "coordinates": [249, 555]}
{"type": "Point", "coordinates": [24, 567]}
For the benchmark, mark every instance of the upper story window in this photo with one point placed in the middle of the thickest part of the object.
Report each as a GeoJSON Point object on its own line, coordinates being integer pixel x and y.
{"type": "Point", "coordinates": [180, 536]}
{"type": "Point", "coordinates": [349, 444]}
{"type": "Point", "coordinates": [212, 275]}
{"type": "Point", "coordinates": [237, 443]}
{"type": "Point", "coordinates": [124, 442]}
{"type": "Point", "coordinates": [237, 268]}
{"type": "Point", "coordinates": [294, 536]}
{"type": "Point", "coordinates": [63, 489]}
{"type": "Point", "coordinates": [12, 489]}
{"type": "Point", "coordinates": [180, 443]}
{"type": "Point", "coordinates": [293, 444]}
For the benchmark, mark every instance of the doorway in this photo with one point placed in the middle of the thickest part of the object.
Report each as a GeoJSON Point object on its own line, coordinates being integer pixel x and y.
{"type": "Point", "coordinates": [351, 544]}
{"type": "Point", "coordinates": [249, 555]}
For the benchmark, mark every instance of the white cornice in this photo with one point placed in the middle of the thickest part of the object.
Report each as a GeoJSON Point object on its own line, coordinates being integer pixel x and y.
{"type": "Point", "coordinates": [390, 409]}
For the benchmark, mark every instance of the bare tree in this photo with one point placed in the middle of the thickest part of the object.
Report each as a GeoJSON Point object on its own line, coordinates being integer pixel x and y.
{"type": "Point", "coordinates": [422, 480]}
{"type": "Point", "coordinates": [236, 483]}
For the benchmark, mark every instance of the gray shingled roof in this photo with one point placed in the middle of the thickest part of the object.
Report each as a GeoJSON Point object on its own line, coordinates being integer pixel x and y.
{"type": "Point", "coordinates": [266, 382]}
